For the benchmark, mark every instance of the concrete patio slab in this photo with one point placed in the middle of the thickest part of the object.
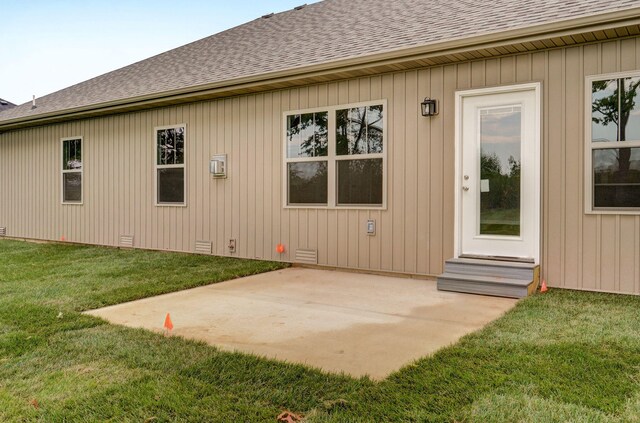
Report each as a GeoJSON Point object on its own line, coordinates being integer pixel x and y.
{"type": "Point", "coordinates": [337, 321]}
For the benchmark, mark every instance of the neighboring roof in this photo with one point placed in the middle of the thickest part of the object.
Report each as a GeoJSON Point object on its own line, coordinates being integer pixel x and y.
{"type": "Point", "coordinates": [5, 105]}
{"type": "Point", "coordinates": [328, 31]}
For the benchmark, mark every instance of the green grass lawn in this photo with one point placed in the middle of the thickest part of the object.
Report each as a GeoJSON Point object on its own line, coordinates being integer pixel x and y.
{"type": "Point", "coordinates": [562, 356]}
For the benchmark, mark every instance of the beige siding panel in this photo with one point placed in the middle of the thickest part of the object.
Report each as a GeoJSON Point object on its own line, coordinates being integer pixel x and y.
{"type": "Point", "coordinates": [590, 249]}
{"type": "Point", "coordinates": [555, 168]}
{"type": "Point", "coordinates": [436, 182]}
{"type": "Point", "coordinates": [410, 166]}
{"type": "Point", "coordinates": [523, 68]}
{"type": "Point", "coordinates": [385, 229]}
{"type": "Point", "coordinates": [200, 185]}
{"type": "Point", "coordinates": [507, 70]}
{"type": "Point", "coordinates": [415, 231]}
{"type": "Point", "coordinates": [448, 150]}
{"type": "Point", "coordinates": [573, 193]}
{"type": "Point", "coordinates": [222, 185]}
{"type": "Point", "coordinates": [608, 260]}
{"type": "Point", "coordinates": [477, 74]}
{"type": "Point", "coordinates": [423, 178]}
{"type": "Point", "coordinates": [628, 254]}
{"type": "Point", "coordinates": [492, 72]}
{"type": "Point", "coordinates": [275, 188]}
{"type": "Point", "coordinates": [268, 204]}
{"type": "Point", "coordinates": [259, 205]}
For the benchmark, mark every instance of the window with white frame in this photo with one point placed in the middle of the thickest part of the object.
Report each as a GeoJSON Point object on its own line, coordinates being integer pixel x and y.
{"type": "Point", "coordinates": [613, 153]}
{"type": "Point", "coordinates": [336, 156]}
{"type": "Point", "coordinates": [72, 170]}
{"type": "Point", "coordinates": [170, 165]}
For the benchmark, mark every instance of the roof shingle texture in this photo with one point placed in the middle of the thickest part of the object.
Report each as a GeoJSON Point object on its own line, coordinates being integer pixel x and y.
{"type": "Point", "coordinates": [6, 105]}
{"type": "Point", "coordinates": [321, 32]}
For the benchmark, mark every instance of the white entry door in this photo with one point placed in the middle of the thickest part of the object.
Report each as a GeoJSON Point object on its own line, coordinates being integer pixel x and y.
{"type": "Point", "coordinates": [498, 172]}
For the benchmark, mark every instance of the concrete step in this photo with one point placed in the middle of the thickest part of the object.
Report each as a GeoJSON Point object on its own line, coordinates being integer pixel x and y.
{"type": "Point", "coordinates": [480, 267]}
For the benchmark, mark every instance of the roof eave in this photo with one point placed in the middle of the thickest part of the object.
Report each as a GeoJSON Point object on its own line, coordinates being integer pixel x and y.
{"type": "Point", "coordinates": [519, 35]}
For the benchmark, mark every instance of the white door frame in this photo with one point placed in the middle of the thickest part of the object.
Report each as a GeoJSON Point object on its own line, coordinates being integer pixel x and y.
{"type": "Point", "coordinates": [460, 95]}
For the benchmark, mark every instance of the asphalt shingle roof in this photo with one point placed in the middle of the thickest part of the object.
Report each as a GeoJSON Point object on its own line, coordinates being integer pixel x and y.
{"type": "Point", "coordinates": [6, 105]}
{"type": "Point", "coordinates": [318, 33]}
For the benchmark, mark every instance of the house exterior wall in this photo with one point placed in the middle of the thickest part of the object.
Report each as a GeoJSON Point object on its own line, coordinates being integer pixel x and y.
{"type": "Point", "coordinates": [415, 234]}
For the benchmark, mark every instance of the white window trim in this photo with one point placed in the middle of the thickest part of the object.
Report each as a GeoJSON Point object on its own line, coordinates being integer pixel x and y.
{"type": "Point", "coordinates": [156, 166]}
{"type": "Point", "coordinates": [589, 147]}
{"type": "Point", "coordinates": [63, 171]}
{"type": "Point", "coordinates": [331, 158]}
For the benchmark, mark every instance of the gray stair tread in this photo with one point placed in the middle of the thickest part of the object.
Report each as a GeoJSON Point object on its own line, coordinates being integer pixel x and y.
{"type": "Point", "coordinates": [496, 290]}
{"type": "Point", "coordinates": [495, 263]}
{"type": "Point", "coordinates": [485, 279]}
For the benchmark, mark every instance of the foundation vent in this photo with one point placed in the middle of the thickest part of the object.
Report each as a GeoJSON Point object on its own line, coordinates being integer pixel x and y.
{"type": "Point", "coordinates": [3, 231]}
{"type": "Point", "coordinates": [203, 247]}
{"type": "Point", "coordinates": [307, 256]}
{"type": "Point", "coordinates": [126, 241]}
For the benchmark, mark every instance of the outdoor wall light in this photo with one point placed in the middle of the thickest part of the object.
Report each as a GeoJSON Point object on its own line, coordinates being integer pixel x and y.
{"type": "Point", "coordinates": [429, 107]}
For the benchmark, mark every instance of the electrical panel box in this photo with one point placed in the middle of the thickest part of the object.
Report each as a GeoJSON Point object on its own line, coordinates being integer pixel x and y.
{"type": "Point", "coordinates": [218, 166]}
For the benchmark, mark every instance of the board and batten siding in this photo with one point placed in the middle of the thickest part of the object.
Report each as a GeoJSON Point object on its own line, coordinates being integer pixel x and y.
{"type": "Point", "coordinates": [414, 235]}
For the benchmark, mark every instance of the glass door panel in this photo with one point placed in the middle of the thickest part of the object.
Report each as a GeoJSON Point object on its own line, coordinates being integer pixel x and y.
{"type": "Point", "coordinates": [500, 163]}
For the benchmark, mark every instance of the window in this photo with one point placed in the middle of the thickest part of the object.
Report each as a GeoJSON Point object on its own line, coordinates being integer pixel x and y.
{"type": "Point", "coordinates": [613, 153]}
{"type": "Point", "coordinates": [170, 165]}
{"type": "Point", "coordinates": [336, 157]}
{"type": "Point", "coordinates": [72, 170]}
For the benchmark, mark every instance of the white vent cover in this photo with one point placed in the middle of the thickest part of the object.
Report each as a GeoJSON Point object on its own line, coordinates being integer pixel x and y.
{"type": "Point", "coordinates": [307, 256]}
{"type": "Point", "coordinates": [3, 231]}
{"type": "Point", "coordinates": [126, 241]}
{"type": "Point", "coordinates": [203, 247]}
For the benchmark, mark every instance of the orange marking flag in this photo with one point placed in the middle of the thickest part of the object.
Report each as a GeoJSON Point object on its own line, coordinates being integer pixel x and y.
{"type": "Point", "coordinates": [544, 288]}
{"type": "Point", "coordinates": [168, 324]}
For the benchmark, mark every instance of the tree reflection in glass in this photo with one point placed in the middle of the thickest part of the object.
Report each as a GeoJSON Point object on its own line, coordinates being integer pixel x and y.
{"type": "Point", "coordinates": [359, 130]}
{"type": "Point", "coordinates": [500, 136]}
{"type": "Point", "coordinates": [616, 118]}
{"type": "Point", "coordinates": [307, 135]}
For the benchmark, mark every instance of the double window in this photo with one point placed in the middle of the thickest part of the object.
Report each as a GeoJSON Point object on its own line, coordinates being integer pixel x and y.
{"type": "Point", "coordinates": [613, 153]}
{"type": "Point", "coordinates": [336, 156]}
{"type": "Point", "coordinates": [72, 170]}
{"type": "Point", "coordinates": [170, 165]}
